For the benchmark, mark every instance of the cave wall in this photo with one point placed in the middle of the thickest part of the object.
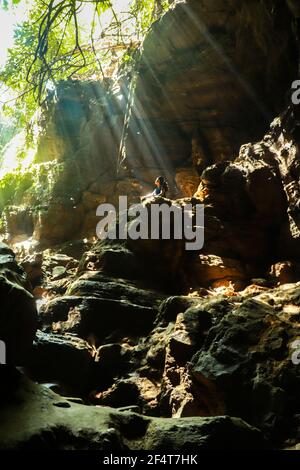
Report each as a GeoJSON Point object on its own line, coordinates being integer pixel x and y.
{"type": "Point", "coordinates": [213, 75]}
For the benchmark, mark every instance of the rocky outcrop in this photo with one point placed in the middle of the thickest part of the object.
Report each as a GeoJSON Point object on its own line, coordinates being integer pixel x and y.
{"type": "Point", "coordinates": [201, 355]}
{"type": "Point", "coordinates": [285, 272]}
{"type": "Point", "coordinates": [100, 323]}
{"type": "Point", "coordinates": [198, 343]}
{"type": "Point", "coordinates": [247, 359]}
{"type": "Point", "coordinates": [187, 181]}
{"type": "Point", "coordinates": [228, 341]}
{"type": "Point", "coordinates": [246, 228]}
{"type": "Point", "coordinates": [211, 270]}
{"type": "Point", "coordinates": [65, 361]}
{"type": "Point", "coordinates": [18, 317]}
{"type": "Point", "coordinates": [38, 419]}
{"type": "Point", "coordinates": [98, 316]}
{"type": "Point", "coordinates": [211, 78]}
{"type": "Point", "coordinates": [235, 194]}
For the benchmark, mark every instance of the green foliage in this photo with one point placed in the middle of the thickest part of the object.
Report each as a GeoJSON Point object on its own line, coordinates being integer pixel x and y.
{"type": "Point", "coordinates": [7, 131]}
{"type": "Point", "coordinates": [6, 4]}
{"type": "Point", "coordinates": [32, 186]}
{"type": "Point", "coordinates": [61, 40]}
{"type": "Point", "coordinates": [147, 11]}
{"type": "Point", "coordinates": [78, 39]}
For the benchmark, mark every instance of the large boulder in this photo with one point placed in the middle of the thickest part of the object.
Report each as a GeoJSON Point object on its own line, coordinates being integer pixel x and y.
{"type": "Point", "coordinates": [38, 419]}
{"type": "Point", "coordinates": [97, 317]}
{"type": "Point", "coordinates": [97, 306]}
{"type": "Point", "coordinates": [65, 360]}
{"type": "Point", "coordinates": [18, 316]}
{"type": "Point", "coordinates": [113, 259]}
{"type": "Point", "coordinates": [245, 366]}
{"type": "Point", "coordinates": [60, 221]}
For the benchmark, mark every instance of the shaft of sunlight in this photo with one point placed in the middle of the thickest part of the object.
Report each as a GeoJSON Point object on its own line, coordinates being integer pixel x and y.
{"type": "Point", "coordinates": [227, 62]}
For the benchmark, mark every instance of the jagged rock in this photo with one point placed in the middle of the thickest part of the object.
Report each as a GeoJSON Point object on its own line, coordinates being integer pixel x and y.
{"type": "Point", "coordinates": [40, 292]}
{"type": "Point", "coordinates": [181, 340]}
{"type": "Point", "coordinates": [63, 359]}
{"type": "Point", "coordinates": [112, 259]}
{"type": "Point", "coordinates": [98, 317]}
{"type": "Point", "coordinates": [58, 272]}
{"type": "Point", "coordinates": [79, 311]}
{"type": "Point", "coordinates": [58, 287]}
{"type": "Point", "coordinates": [137, 390]}
{"type": "Point", "coordinates": [18, 316]}
{"type": "Point", "coordinates": [179, 398]}
{"type": "Point", "coordinates": [56, 310]}
{"type": "Point", "coordinates": [237, 189]}
{"type": "Point", "coordinates": [110, 358]}
{"type": "Point", "coordinates": [157, 345]}
{"type": "Point", "coordinates": [76, 366]}
{"type": "Point", "coordinates": [255, 225]}
{"type": "Point", "coordinates": [148, 259]}
{"type": "Point", "coordinates": [63, 260]}
{"type": "Point", "coordinates": [246, 358]}
{"type": "Point", "coordinates": [170, 308]}
{"type": "Point", "coordinates": [184, 394]}
{"type": "Point", "coordinates": [261, 282]}
{"type": "Point", "coordinates": [59, 222]}
{"type": "Point", "coordinates": [210, 268]}
{"type": "Point", "coordinates": [271, 218]}
{"type": "Point", "coordinates": [149, 394]}
{"type": "Point", "coordinates": [74, 249]}
{"type": "Point", "coordinates": [32, 265]}
{"type": "Point", "coordinates": [10, 268]}
{"type": "Point", "coordinates": [237, 238]}
{"type": "Point", "coordinates": [188, 333]}
{"type": "Point", "coordinates": [122, 393]}
{"type": "Point", "coordinates": [285, 272]}
{"type": "Point", "coordinates": [99, 285]}
{"type": "Point", "coordinates": [187, 181]}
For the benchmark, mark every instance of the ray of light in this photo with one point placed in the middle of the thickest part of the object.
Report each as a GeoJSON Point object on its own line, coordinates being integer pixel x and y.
{"type": "Point", "coordinates": [232, 68]}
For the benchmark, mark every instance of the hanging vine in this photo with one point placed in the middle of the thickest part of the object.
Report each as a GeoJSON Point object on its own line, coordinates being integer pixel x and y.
{"type": "Point", "coordinates": [61, 39]}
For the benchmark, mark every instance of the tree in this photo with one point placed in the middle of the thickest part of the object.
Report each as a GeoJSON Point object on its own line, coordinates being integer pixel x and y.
{"type": "Point", "coordinates": [79, 39]}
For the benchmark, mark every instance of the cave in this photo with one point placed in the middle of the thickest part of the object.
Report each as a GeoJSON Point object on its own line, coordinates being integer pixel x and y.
{"type": "Point", "coordinates": [123, 340]}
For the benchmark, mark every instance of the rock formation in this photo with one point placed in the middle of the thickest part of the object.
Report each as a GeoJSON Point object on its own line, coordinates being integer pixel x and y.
{"type": "Point", "coordinates": [212, 76]}
{"type": "Point", "coordinates": [151, 346]}
{"type": "Point", "coordinates": [18, 316]}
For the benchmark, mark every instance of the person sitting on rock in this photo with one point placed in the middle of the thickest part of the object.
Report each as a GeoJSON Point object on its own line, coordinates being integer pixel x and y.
{"type": "Point", "coordinates": [162, 187]}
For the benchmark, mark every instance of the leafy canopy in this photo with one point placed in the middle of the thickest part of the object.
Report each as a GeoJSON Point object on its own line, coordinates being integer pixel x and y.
{"type": "Point", "coordinates": [79, 39]}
